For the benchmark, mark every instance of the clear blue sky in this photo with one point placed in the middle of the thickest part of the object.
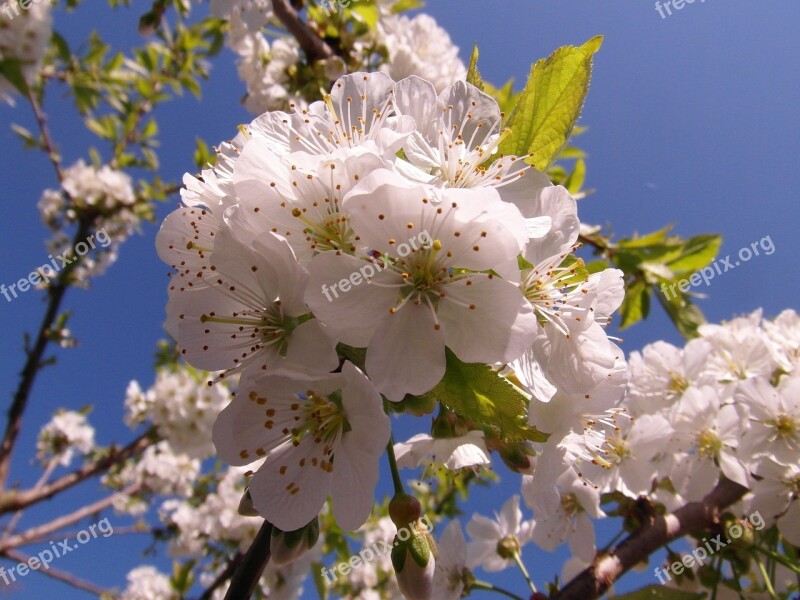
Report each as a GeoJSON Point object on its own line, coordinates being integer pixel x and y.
{"type": "Point", "coordinates": [693, 120]}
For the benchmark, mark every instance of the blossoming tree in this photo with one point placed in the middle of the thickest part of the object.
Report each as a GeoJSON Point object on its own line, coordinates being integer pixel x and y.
{"type": "Point", "coordinates": [390, 239]}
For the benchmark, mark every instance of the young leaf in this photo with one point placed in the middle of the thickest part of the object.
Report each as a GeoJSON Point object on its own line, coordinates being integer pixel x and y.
{"type": "Point", "coordinates": [477, 393]}
{"type": "Point", "coordinates": [473, 75]}
{"type": "Point", "coordinates": [550, 104]}
{"type": "Point", "coordinates": [11, 69]}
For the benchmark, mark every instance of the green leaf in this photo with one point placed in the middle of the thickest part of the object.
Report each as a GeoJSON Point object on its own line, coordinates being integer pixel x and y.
{"type": "Point", "coordinates": [368, 13]}
{"type": "Point", "coordinates": [319, 580]}
{"type": "Point", "coordinates": [477, 393]}
{"type": "Point", "coordinates": [575, 181]}
{"type": "Point", "coordinates": [405, 5]}
{"type": "Point", "coordinates": [11, 69]}
{"type": "Point", "coordinates": [660, 592]}
{"type": "Point", "coordinates": [636, 305]}
{"type": "Point", "coordinates": [697, 253]}
{"type": "Point", "coordinates": [473, 75]}
{"type": "Point", "coordinates": [550, 104]}
{"type": "Point", "coordinates": [686, 316]}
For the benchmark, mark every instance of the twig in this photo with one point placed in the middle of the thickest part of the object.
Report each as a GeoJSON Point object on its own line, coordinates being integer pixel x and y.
{"type": "Point", "coordinates": [15, 500]}
{"type": "Point", "coordinates": [56, 295]}
{"type": "Point", "coordinates": [34, 361]}
{"type": "Point", "coordinates": [224, 575]}
{"type": "Point", "coordinates": [692, 517]}
{"type": "Point", "coordinates": [60, 575]}
{"type": "Point", "coordinates": [51, 466]}
{"type": "Point", "coordinates": [251, 566]}
{"type": "Point", "coordinates": [314, 47]}
{"type": "Point", "coordinates": [37, 533]}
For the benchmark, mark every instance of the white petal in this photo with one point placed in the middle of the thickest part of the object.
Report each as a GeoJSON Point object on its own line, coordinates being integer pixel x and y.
{"type": "Point", "coordinates": [498, 329]}
{"type": "Point", "coordinates": [406, 354]}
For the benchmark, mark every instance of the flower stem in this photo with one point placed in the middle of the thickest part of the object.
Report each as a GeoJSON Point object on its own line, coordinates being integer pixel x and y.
{"type": "Point", "coordinates": [767, 582]}
{"type": "Point", "coordinates": [778, 558]}
{"type": "Point", "coordinates": [398, 483]}
{"type": "Point", "coordinates": [482, 585]}
{"type": "Point", "coordinates": [518, 560]}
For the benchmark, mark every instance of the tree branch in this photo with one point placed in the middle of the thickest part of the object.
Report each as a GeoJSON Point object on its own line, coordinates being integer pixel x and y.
{"type": "Point", "coordinates": [12, 501]}
{"type": "Point", "coordinates": [60, 575]}
{"type": "Point", "coordinates": [693, 517]}
{"type": "Point", "coordinates": [314, 47]}
{"type": "Point", "coordinates": [251, 566]}
{"type": "Point", "coordinates": [37, 533]}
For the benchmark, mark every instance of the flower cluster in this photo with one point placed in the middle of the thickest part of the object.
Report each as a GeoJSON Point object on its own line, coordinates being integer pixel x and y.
{"type": "Point", "coordinates": [67, 432]}
{"type": "Point", "coordinates": [24, 35]}
{"type": "Point", "coordinates": [384, 219]}
{"type": "Point", "coordinates": [102, 198]}
{"type": "Point", "coordinates": [182, 409]}
{"type": "Point", "coordinates": [277, 77]}
{"type": "Point", "coordinates": [724, 406]}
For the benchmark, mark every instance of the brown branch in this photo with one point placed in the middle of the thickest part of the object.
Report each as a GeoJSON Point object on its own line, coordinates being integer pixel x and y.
{"type": "Point", "coordinates": [223, 576]}
{"type": "Point", "coordinates": [12, 501]}
{"type": "Point", "coordinates": [693, 517]}
{"type": "Point", "coordinates": [36, 533]}
{"type": "Point", "coordinates": [251, 566]}
{"type": "Point", "coordinates": [60, 575]}
{"type": "Point", "coordinates": [314, 47]}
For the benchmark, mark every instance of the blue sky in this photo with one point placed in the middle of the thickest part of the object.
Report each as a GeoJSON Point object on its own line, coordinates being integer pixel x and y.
{"type": "Point", "coordinates": [692, 120]}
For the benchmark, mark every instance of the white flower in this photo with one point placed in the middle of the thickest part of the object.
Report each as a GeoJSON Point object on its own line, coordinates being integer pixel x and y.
{"type": "Point", "coordinates": [505, 534]}
{"type": "Point", "coordinates": [105, 196]}
{"type": "Point", "coordinates": [448, 578]}
{"type": "Point", "coordinates": [266, 70]}
{"type": "Point", "coordinates": [454, 453]}
{"type": "Point", "coordinates": [253, 14]}
{"type": "Point", "coordinates": [420, 47]}
{"type": "Point", "coordinates": [24, 36]}
{"type": "Point", "coordinates": [661, 373]}
{"type": "Point", "coordinates": [774, 419]}
{"type": "Point", "coordinates": [457, 132]}
{"type": "Point", "coordinates": [631, 451]}
{"type": "Point", "coordinates": [67, 432]}
{"type": "Point", "coordinates": [741, 349]}
{"type": "Point", "coordinates": [776, 496]}
{"type": "Point", "coordinates": [181, 406]}
{"type": "Point", "coordinates": [428, 295]}
{"type": "Point", "coordinates": [186, 238]}
{"type": "Point", "coordinates": [563, 506]}
{"type": "Point", "coordinates": [159, 471]}
{"type": "Point", "coordinates": [358, 111]}
{"type": "Point", "coordinates": [784, 335]}
{"type": "Point", "coordinates": [299, 196]}
{"type": "Point", "coordinates": [707, 434]}
{"type": "Point", "coordinates": [215, 520]}
{"type": "Point", "coordinates": [146, 583]}
{"type": "Point", "coordinates": [254, 316]}
{"type": "Point", "coordinates": [319, 435]}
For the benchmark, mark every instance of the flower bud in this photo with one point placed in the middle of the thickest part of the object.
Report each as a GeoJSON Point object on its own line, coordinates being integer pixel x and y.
{"type": "Point", "coordinates": [246, 507]}
{"type": "Point", "coordinates": [404, 510]}
{"type": "Point", "coordinates": [287, 546]}
{"type": "Point", "coordinates": [508, 547]}
{"type": "Point", "coordinates": [414, 562]}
